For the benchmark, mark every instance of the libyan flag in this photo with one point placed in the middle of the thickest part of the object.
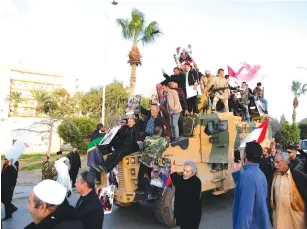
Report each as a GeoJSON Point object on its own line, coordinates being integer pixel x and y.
{"type": "Point", "coordinates": [92, 156]}
{"type": "Point", "coordinates": [92, 144]}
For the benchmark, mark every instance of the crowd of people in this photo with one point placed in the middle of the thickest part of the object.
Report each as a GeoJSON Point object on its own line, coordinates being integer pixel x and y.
{"type": "Point", "coordinates": [272, 190]}
{"type": "Point", "coordinates": [197, 92]}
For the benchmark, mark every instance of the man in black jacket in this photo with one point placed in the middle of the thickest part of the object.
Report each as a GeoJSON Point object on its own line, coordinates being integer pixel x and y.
{"type": "Point", "coordinates": [75, 164]}
{"type": "Point", "coordinates": [178, 78]}
{"type": "Point", "coordinates": [129, 146]}
{"type": "Point", "coordinates": [50, 209]}
{"type": "Point", "coordinates": [295, 162]}
{"type": "Point", "coordinates": [192, 75]}
{"type": "Point", "coordinates": [187, 203]}
{"type": "Point", "coordinates": [8, 182]}
{"type": "Point", "coordinates": [89, 209]}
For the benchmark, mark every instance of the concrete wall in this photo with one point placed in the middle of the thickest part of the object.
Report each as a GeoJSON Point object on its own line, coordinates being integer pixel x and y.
{"type": "Point", "coordinates": [38, 142]}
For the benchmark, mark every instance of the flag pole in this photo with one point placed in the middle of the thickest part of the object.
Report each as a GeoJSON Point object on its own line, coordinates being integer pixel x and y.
{"type": "Point", "coordinates": [164, 190]}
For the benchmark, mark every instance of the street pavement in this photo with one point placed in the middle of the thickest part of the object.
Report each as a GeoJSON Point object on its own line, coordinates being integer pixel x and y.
{"type": "Point", "coordinates": [216, 213]}
{"type": "Point", "coordinates": [216, 209]}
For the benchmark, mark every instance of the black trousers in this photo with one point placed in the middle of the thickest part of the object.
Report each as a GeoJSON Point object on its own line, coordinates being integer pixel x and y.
{"type": "Point", "coordinates": [73, 172]}
{"type": "Point", "coordinates": [141, 179]}
{"type": "Point", "coordinates": [6, 199]}
{"type": "Point", "coordinates": [118, 155]}
{"type": "Point", "coordinates": [192, 104]}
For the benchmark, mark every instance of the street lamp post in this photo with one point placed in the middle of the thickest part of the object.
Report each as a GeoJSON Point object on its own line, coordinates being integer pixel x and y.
{"type": "Point", "coordinates": [103, 110]}
{"type": "Point", "coordinates": [103, 103]}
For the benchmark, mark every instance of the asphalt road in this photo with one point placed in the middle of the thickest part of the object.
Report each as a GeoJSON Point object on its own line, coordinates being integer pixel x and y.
{"type": "Point", "coordinates": [216, 213]}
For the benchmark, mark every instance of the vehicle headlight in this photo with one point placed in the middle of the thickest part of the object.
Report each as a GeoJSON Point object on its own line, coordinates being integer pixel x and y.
{"type": "Point", "coordinates": [127, 161]}
{"type": "Point", "coordinates": [133, 160]}
{"type": "Point", "coordinates": [133, 172]}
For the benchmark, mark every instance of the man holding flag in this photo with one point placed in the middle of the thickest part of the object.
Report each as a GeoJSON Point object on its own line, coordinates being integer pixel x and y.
{"type": "Point", "coordinates": [187, 209]}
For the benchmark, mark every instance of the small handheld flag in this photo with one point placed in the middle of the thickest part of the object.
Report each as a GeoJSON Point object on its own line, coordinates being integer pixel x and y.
{"type": "Point", "coordinates": [169, 180]}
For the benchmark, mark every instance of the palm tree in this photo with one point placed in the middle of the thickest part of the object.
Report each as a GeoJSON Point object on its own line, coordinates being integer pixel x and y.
{"type": "Point", "coordinates": [14, 97]}
{"type": "Point", "coordinates": [134, 29]}
{"type": "Point", "coordinates": [297, 89]}
{"type": "Point", "coordinates": [41, 97]}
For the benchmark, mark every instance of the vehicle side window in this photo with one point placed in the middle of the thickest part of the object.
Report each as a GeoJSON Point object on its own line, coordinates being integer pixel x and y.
{"type": "Point", "coordinates": [216, 126]}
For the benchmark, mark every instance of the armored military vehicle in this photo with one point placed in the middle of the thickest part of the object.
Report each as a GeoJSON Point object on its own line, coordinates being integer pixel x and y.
{"type": "Point", "coordinates": [214, 139]}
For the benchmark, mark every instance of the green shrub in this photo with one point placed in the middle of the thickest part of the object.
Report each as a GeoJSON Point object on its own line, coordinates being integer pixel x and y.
{"type": "Point", "coordinates": [76, 131]}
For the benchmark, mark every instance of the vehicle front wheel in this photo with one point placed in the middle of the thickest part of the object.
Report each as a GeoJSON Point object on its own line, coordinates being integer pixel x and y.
{"type": "Point", "coordinates": [164, 208]}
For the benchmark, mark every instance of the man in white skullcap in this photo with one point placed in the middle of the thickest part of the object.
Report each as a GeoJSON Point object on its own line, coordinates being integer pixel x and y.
{"type": "Point", "coordinates": [50, 209]}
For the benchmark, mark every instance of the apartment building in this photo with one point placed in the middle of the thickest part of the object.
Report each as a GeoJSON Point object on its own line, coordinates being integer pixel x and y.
{"type": "Point", "coordinates": [16, 115]}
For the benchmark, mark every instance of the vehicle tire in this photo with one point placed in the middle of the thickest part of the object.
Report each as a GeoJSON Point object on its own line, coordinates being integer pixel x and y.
{"type": "Point", "coordinates": [164, 208]}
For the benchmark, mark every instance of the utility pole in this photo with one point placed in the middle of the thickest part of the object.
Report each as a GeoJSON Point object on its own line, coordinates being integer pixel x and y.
{"type": "Point", "coordinates": [103, 109]}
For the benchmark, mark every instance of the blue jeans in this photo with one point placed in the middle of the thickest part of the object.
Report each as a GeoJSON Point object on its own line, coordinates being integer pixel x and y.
{"type": "Point", "coordinates": [265, 102]}
{"type": "Point", "coordinates": [174, 124]}
{"type": "Point", "coordinates": [247, 116]}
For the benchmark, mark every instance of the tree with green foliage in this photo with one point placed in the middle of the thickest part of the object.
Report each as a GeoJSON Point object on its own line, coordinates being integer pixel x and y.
{"type": "Point", "coordinates": [135, 30]}
{"type": "Point", "coordinates": [275, 126]}
{"type": "Point", "coordinates": [288, 134]}
{"type": "Point", "coordinates": [146, 102]}
{"type": "Point", "coordinates": [303, 120]}
{"type": "Point", "coordinates": [76, 131]}
{"type": "Point", "coordinates": [297, 89]}
{"type": "Point", "coordinates": [282, 118]}
{"type": "Point", "coordinates": [41, 97]}
{"type": "Point", "coordinates": [14, 97]}
{"type": "Point", "coordinates": [303, 130]}
{"type": "Point", "coordinates": [90, 103]}
{"type": "Point", "coordinates": [60, 105]}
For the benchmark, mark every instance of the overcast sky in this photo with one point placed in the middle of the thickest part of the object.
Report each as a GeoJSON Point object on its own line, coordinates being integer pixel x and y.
{"type": "Point", "coordinates": [71, 37]}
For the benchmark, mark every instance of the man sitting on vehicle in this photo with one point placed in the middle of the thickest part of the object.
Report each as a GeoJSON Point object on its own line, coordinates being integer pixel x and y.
{"type": "Point", "coordinates": [244, 100]}
{"type": "Point", "coordinates": [258, 93]}
{"type": "Point", "coordinates": [152, 147]}
{"type": "Point", "coordinates": [153, 119]}
{"type": "Point", "coordinates": [130, 145]}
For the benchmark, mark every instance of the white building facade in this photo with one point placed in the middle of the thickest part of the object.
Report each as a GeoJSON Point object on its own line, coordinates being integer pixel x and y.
{"type": "Point", "coordinates": [15, 119]}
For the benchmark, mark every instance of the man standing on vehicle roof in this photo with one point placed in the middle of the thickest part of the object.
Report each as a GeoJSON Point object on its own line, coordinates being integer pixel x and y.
{"type": "Point", "coordinates": [221, 91]}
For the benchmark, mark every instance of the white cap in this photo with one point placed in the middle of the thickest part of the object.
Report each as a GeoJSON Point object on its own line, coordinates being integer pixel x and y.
{"type": "Point", "coordinates": [207, 72]}
{"type": "Point", "coordinates": [50, 192]}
